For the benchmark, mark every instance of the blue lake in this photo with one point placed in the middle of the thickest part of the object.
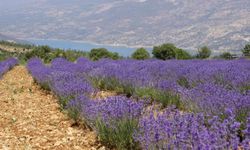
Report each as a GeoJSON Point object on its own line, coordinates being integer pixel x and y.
{"type": "Point", "coordinates": [84, 46]}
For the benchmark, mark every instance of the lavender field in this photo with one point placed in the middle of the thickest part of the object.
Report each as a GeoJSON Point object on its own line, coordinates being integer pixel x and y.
{"type": "Point", "coordinates": [175, 104]}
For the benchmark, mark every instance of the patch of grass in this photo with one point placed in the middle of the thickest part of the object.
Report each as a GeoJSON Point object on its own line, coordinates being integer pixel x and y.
{"type": "Point", "coordinates": [166, 98]}
{"type": "Point", "coordinates": [183, 82]}
{"type": "Point", "coordinates": [63, 101]}
{"type": "Point", "coordinates": [74, 113]}
{"type": "Point", "coordinates": [119, 134]}
{"type": "Point", "coordinates": [112, 84]}
{"type": "Point", "coordinates": [241, 116]}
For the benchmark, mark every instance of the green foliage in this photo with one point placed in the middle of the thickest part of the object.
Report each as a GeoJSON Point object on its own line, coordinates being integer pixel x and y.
{"type": "Point", "coordinates": [46, 53]}
{"type": "Point", "coordinates": [246, 50]}
{"type": "Point", "coordinates": [182, 81]}
{"type": "Point", "coordinates": [74, 113]}
{"type": "Point", "coordinates": [63, 101]}
{"type": "Point", "coordinates": [98, 53]}
{"type": "Point", "coordinates": [170, 51]}
{"type": "Point", "coordinates": [204, 52]}
{"type": "Point", "coordinates": [164, 51]}
{"type": "Point", "coordinates": [226, 55]}
{"type": "Point", "coordinates": [112, 84]}
{"type": "Point", "coordinates": [45, 86]}
{"type": "Point", "coordinates": [73, 55]}
{"type": "Point", "coordinates": [241, 116]}
{"type": "Point", "coordinates": [115, 56]}
{"type": "Point", "coordinates": [181, 54]}
{"type": "Point", "coordinates": [166, 98]}
{"type": "Point", "coordinates": [120, 135]}
{"type": "Point", "coordinates": [141, 54]}
{"type": "Point", "coordinates": [4, 55]}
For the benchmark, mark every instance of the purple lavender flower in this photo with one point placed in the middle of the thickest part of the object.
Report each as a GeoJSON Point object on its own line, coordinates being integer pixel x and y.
{"type": "Point", "coordinates": [7, 65]}
{"type": "Point", "coordinates": [112, 108]}
{"type": "Point", "coordinates": [172, 129]}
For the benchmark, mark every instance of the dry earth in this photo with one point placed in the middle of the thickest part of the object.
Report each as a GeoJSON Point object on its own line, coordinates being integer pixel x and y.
{"type": "Point", "coordinates": [31, 118]}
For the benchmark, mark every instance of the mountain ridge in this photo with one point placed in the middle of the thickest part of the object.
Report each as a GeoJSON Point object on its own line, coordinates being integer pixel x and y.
{"type": "Point", "coordinates": [221, 25]}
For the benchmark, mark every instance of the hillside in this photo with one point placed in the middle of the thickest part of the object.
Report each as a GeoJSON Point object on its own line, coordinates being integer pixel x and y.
{"type": "Point", "coordinates": [222, 25]}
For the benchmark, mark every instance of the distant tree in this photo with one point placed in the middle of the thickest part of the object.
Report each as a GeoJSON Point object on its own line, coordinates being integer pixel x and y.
{"type": "Point", "coordinates": [164, 51]}
{"type": "Point", "coordinates": [246, 50]}
{"type": "Point", "coordinates": [170, 51]}
{"type": "Point", "coordinates": [141, 54]}
{"type": "Point", "coordinates": [115, 56]}
{"type": "Point", "coordinates": [43, 52]}
{"type": "Point", "coordinates": [204, 52]}
{"type": "Point", "coordinates": [182, 54]}
{"type": "Point", "coordinates": [98, 53]}
{"type": "Point", "coordinates": [226, 55]}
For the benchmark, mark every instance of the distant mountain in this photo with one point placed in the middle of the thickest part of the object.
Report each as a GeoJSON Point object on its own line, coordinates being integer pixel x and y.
{"type": "Point", "coordinates": [7, 38]}
{"type": "Point", "coordinates": [220, 24]}
{"type": "Point", "coordinates": [11, 39]}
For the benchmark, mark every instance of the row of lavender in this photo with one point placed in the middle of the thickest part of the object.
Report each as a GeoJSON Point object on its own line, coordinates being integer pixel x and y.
{"type": "Point", "coordinates": [214, 93]}
{"type": "Point", "coordinates": [7, 65]}
{"type": "Point", "coordinates": [208, 86]}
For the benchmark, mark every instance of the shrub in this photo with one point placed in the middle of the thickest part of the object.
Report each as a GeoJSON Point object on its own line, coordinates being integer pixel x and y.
{"type": "Point", "coordinates": [98, 53]}
{"type": "Point", "coordinates": [120, 136]}
{"type": "Point", "coordinates": [141, 54]}
{"type": "Point", "coordinates": [115, 119]}
{"type": "Point", "coordinates": [182, 54]}
{"type": "Point", "coordinates": [204, 52]}
{"type": "Point", "coordinates": [164, 51]}
{"type": "Point", "coordinates": [166, 98]}
{"type": "Point", "coordinates": [246, 50]}
{"type": "Point", "coordinates": [226, 55]}
{"type": "Point", "coordinates": [170, 51]}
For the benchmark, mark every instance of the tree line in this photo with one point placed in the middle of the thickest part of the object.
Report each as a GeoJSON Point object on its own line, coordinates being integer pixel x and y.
{"type": "Point", "coordinates": [164, 52]}
{"type": "Point", "coordinates": [170, 51]}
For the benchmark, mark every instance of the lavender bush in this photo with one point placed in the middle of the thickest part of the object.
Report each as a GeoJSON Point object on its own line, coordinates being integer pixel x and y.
{"type": "Point", "coordinates": [40, 72]}
{"type": "Point", "coordinates": [7, 65]}
{"type": "Point", "coordinates": [172, 129]}
{"type": "Point", "coordinates": [115, 120]}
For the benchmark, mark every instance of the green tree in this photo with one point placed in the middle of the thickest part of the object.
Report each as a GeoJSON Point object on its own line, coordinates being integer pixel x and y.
{"type": "Point", "coordinates": [226, 55]}
{"type": "Point", "coordinates": [182, 54]}
{"type": "Point", "coordinates": [43, 52]}
{"type": "Point", "coordinates": [115, 56]}
{"type": "Point", "coordinates": [164, 51]}
{"type": "Point", "coordinates": [141, 54]}
{"type": "Point", "coordinates": [204, 52]}
{"type": "Point", "coordinates": [98, 53]}
{"type": "Point", "coordinates": [246, 50]}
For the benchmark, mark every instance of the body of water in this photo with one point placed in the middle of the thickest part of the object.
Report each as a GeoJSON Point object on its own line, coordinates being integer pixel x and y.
{"type": "Point", "coordinates": [84, 46]}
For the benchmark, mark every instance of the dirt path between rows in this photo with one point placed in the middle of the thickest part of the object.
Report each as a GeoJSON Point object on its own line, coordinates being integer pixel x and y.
{"type": "Point", "coordinates": [31, 119]}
